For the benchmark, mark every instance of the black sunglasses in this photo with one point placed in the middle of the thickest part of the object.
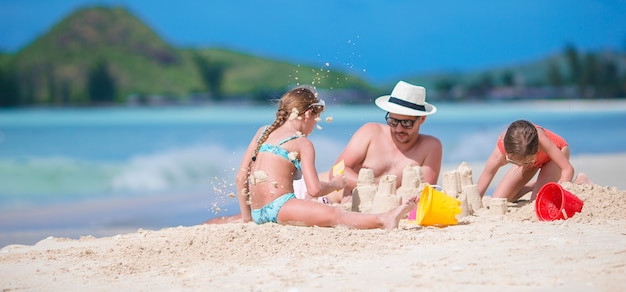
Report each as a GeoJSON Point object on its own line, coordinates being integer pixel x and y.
{"type": "Point", "coordinates": [407, 124]}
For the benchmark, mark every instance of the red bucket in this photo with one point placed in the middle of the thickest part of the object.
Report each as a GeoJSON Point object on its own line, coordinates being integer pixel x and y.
{"type": "Point", "coordinates": [556, 203]}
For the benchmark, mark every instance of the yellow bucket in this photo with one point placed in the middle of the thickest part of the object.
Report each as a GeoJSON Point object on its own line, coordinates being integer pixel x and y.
{"type": "Point", "coordinates": [436, 208]}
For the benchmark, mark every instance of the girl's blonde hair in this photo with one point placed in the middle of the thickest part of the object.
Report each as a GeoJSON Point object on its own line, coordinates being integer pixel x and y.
{"type": "Point", "coordinates": [294, 102]}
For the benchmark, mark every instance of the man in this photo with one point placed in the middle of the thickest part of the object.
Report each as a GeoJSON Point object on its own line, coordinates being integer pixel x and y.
{"type": "Point", "coordinates": [388, 148]}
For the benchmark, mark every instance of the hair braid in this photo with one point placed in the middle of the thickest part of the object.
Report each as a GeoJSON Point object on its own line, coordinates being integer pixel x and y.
{"type": "Point", "coordinates": [281, 117]}
{"type": "Point", "coordinates": [298, 101]}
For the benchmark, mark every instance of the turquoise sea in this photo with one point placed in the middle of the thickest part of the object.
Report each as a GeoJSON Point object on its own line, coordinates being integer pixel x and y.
{"type": "Point", "coordinates": [157, 167]}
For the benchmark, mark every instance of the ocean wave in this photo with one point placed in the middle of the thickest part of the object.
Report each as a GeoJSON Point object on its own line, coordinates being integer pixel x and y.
{"type": "Point", "coordinates": [50, 155]}
{"type": "Point", "coordinates": [42, 179]}
{"type": "Point", "coordinates": [34, 177]}
{"type": "Point", "coordinates": [178, 167]}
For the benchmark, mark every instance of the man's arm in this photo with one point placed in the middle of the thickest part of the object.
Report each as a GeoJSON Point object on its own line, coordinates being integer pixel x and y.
{"type": "Point", "coordinates": [432, 163]}
{"type": "Point", "coordinates": [354, 154]}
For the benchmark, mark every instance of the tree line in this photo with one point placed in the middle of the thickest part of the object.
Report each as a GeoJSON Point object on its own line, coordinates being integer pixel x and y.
{"type": "Point", "coordinates": [101, 84]}
{"type": "Point", "coordinates": [573, 75]}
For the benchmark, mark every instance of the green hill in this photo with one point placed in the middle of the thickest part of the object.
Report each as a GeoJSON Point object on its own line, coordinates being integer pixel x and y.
{"type": "Point", "coordinates": [246, 74]}
{"type": "Point", "coordinates": [106, 54]}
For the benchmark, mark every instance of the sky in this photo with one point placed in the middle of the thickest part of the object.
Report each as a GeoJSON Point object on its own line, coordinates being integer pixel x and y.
{"type": "Point", "coordinates": [379, 40]}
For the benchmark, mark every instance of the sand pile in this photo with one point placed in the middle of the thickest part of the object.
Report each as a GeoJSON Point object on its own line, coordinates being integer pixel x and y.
{"type": "Point", "coordinates": [514, 251]}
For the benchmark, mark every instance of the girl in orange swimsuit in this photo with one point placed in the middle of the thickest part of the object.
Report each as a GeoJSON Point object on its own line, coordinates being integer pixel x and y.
{"type": "Point", "coordinates": [530, 149]}
{"type": "Point", "coordinates": [541, 157]}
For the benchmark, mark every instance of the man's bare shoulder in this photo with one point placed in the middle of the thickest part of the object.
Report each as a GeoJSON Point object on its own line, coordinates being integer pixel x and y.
{"type": "Point", "coordinates": [431, 140]}
{"type": "Point", "coordinates": [429, 137]}
{"type": "Point", "coordinates": [367, 133]}
{"type": "Point", "coordinates": [371, 128]}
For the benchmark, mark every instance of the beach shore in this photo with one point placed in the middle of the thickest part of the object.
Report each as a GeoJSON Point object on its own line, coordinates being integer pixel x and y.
{"type": "Point", "coordinates": [484, 251]}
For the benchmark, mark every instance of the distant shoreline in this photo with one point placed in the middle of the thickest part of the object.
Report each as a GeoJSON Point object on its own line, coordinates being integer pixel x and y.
{"type": "Point", "coordinates": [579, 104]}
{"type": "Point", "coordinates": [615, 104]}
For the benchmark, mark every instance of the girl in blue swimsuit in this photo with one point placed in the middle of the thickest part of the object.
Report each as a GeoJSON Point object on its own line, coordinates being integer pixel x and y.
{"type": "Point", "coordinates": [280, 153]}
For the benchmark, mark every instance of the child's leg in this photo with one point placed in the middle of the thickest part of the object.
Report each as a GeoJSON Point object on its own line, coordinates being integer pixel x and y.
{"type": "Point", "coordinates": [550, 172]}
{"type": "Point", "coordinates": [225, 219]}
{"type": "Point", "coordinates": [310, 213]}
{"type": "Point", "coordinates": [582, 179]}
{"type": "Point", "coordinates": [514, 183]}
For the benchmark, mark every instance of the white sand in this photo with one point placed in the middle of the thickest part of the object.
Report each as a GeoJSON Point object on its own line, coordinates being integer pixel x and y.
{"type": "Point", "coordinates": [584, 253]}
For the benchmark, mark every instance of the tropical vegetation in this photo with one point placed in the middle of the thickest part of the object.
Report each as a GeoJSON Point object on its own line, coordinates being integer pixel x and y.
{"type": "Point", "coordinates": [106, 56]}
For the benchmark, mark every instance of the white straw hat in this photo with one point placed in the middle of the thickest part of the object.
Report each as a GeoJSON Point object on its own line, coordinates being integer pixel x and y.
{"type": "Point", "coordinates": [406, 99]}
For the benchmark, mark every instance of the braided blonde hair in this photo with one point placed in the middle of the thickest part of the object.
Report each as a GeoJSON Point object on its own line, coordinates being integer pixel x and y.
{"type": "Point", "coordinates": [293, 102]}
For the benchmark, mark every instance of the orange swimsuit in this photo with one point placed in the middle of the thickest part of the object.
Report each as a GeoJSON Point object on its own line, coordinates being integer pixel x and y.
{"type": "Point", "coordinates": [542, 157]}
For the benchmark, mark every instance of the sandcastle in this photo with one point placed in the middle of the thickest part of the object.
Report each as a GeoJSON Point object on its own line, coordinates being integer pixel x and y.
{"type": "Point", "coordinates": [459, 184]}
{"type": "Point", "coordinates": [369, 198]}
